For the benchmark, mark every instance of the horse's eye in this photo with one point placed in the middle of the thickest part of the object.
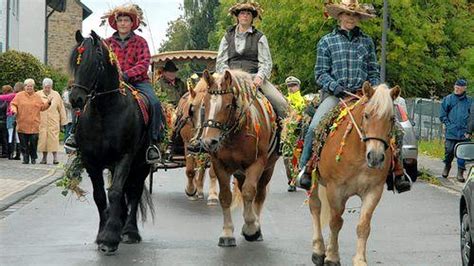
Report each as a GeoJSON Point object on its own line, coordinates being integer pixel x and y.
{"type": "Point", "coordinates": [366, 115]}
{"type": "Point", "coordinates": [229, 106]}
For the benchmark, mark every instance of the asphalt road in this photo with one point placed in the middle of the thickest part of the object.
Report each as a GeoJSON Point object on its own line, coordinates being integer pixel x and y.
{"type": "Point", "coordinates": [415, 228]}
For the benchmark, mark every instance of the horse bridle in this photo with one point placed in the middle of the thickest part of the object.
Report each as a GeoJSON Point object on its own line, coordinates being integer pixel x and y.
{"type": "Point", "coordinates": [231, 124]}
{"type": "Point", "coordinates": [91, 93]}
{"type": "Point", "coordinates": [360, 131]}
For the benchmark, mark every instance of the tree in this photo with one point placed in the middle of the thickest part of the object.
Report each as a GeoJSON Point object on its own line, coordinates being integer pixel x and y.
{"type": "Point", "coordinates": [430, 43]}
{"type": "Point", "coordinates": [177, 36]}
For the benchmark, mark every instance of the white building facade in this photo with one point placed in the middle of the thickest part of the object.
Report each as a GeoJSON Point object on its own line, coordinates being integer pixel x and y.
{"type": "Point", "coordinates": [23, 26]}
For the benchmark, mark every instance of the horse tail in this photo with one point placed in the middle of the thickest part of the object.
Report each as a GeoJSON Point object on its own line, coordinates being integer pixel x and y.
{"type": "Point", "coordinates": [237, 199]}
{"type": "Point", "coordinates": [146, 202]}
{"type": "Point", "coordinates": [325, 210]}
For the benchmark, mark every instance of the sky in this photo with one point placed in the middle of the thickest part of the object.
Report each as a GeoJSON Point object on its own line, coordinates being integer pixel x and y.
{"type": "Point", "coordinates": [157, 15]}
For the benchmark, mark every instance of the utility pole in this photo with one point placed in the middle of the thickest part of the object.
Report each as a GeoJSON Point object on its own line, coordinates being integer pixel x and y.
{"type": "Point", "coordinates": [383, 64]}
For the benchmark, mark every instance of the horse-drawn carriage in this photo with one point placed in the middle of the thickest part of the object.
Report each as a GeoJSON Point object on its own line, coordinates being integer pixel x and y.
{"type": "Point", "coordinates": [172, 150]}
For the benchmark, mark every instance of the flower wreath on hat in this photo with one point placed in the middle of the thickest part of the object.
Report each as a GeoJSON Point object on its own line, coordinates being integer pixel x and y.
{"type": "Point", "coordinates": [364, 11]}
{"type": "Point", "coordinates": [250, 6]}
{"type": "Point", "coordinates": [131, 10]}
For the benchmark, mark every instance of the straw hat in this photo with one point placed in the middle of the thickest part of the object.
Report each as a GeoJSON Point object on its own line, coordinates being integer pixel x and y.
{"type": "Point", "coordinates": [251, 6]}
{"type": "Point", "coordinates": [365, 11]}
{"type": "Point", "coordinates": [131, 10]}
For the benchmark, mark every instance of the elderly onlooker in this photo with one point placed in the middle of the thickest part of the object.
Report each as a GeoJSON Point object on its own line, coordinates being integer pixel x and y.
{"type": "Point", "coordinates": [70, 117]}
{"type": "Point", "coordinates": [27, 106]}
{"type": "Point", "coordinates": [5, 114]}
{"type": "Point", "coordinates": [51, 121]}
{"type": "Point", "coordinates": [455, 113]}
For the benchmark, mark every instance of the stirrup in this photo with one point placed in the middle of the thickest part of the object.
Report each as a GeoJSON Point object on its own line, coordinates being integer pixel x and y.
{"type": "Point", "coordinates": [153, 161]}
{"type": "Point", "coordinates": [70, 144]}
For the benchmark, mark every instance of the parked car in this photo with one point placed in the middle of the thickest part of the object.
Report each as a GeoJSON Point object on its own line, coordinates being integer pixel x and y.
{"type": "Point", "coordinates": [465, 151]}
{"type": "Point", "coordinates": [410, 142]}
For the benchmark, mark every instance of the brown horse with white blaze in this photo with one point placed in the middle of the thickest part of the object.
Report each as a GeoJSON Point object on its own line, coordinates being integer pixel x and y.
{"type": "Point", "coordinates": [362, 171]}
{"type": "Point", "coordinates": [187, 124]}
{"type": "Point", "coordinates": [239, 132]}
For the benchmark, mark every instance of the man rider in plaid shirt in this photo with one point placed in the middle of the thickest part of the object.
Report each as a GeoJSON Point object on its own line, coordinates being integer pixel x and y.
{"type": "Point", "coordinates": [134, 58]}
{"type": "Point", "coordinates": [346, 58]}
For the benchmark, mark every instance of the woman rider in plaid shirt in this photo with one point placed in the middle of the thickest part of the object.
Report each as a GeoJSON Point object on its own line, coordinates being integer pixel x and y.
{"type": "Point", "coordinates": [134, 58]}
{"type": "Point", "coordinates": [345, 59]}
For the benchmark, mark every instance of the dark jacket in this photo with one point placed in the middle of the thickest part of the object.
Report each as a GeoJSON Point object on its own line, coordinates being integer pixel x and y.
{"type": "Point", "coordinates": [455, 114]}
{"type": "Point", "coordinates": [3, 112]}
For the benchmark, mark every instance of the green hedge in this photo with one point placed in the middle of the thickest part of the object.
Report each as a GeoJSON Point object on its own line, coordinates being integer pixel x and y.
{"type": "Point", "coordinates": [17, 66]}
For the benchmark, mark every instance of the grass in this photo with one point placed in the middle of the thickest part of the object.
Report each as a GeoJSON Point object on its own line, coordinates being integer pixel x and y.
{"type": "Point", "coordinates": [425, 176]}
{"type": "Point", "coordinates": [433, 148]}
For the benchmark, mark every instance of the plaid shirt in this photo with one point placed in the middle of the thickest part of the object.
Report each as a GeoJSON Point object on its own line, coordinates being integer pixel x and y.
{"type": "Point", "coordinates": [133, 55]}
{"type": "Point", "coordinates": [346, 59]}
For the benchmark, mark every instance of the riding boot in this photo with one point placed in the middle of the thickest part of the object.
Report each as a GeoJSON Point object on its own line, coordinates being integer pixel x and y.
{"type": "Point", "coordinates": [446, 169]}
{"type": "Point", "coordinates": [460, 175]}
{"type": "Point", "coordinates": [70, 142]}
{"type": "Point", "coordinates": [303, 180]}
{"type": "Point", "coordinates": [401, 184]}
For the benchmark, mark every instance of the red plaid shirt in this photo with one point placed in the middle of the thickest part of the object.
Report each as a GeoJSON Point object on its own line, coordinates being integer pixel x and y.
{"type": "Point", "coordinates": [133, 55]}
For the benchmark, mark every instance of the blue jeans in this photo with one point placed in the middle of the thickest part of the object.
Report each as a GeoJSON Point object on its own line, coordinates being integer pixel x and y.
{"type": "Point", "coordinates": [449, 153]}
{"type": "Point", "coordinates": [328, 103]}
{"type": "Point", "coordinates": [157, 124]}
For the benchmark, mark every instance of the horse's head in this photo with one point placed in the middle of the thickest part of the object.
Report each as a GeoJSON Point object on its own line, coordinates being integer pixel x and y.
{"type": "Point", "coordinates": [377, 122]}
{"type": "Point", "coordinates": [191, 103]}
{"type": "Point", "coordinates": [219, 114]}
{"type": "Point", "coordinates": [92, 67]}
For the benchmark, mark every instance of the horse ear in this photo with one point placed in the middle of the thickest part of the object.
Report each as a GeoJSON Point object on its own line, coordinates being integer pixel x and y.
{"type": "Point", "coordinates": [367, 89]}
{"type": "Point", "coordinates": [395, 92]}
{"type": "Point", "coordinates": [192, 93]}
{"type": "Point", "coordinates": [208, 77]}
{"type": "Point", "coordinates": [79, 37]}
{"type": "Point", "coordinates": [227, 78]}
{"type": "Point", "coordinates": [95, 37]}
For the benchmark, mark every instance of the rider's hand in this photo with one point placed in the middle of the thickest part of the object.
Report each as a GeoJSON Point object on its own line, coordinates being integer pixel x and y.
{"type": "Point", "coordinates": [339, 92]}
{"type": "Point", "coordinates": [257, 81]}
{"type": "Point", "coordinates": [467, 136]}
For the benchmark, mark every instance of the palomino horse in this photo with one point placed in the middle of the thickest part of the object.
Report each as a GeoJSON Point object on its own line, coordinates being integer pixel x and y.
{"type": "Point", "coordinates": [111, 134]}
{"type": "Point", "coordinates": [187, 121]}
{"type": "Point", "coordinates": [362, 171]}
{"type": "Point", "coordinates": [238, 130]}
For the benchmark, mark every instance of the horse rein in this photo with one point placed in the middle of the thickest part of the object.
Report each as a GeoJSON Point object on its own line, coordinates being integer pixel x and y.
{"type": "Point", "coordinates": [360, 132]}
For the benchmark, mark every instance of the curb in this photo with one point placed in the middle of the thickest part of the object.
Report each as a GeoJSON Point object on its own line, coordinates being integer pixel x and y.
{"type": "Point", "coordinates": [32, 189]}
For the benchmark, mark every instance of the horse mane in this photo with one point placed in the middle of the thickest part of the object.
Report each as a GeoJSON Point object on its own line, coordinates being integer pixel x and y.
{"type": "Point", "coordinates": [242, 85]}
{"type": "Point", "coordinates": [87, 60]}
{"type": "Point", "coordinates": [381, 103]}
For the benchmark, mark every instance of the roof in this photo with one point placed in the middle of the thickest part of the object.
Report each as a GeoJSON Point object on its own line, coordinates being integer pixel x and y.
{"type": "Point", "coordinates": [86, 12]}
{"type": "Point", "coordinates": [183, 56]}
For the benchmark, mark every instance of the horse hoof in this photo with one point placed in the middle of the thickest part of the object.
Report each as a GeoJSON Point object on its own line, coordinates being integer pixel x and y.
{"type": "Point", "coordinates": [131, 238]}
{"type": "Point", "coordinates": [330, 263]}
{"type": "Point", "coordinates": [200, 195]}
{"type": "Point", "coordinates": [318, 259]}
{"type": "Point", "coordinates": [227, 242]}
{"type": "Point", "coordinates": [190, 194]}
{"type": "Point", "coordinates": [107, 250]}
{"type": "Point", "coordinates": [212, 202]}
{"type": "Point", "coordinates": [255, 237]}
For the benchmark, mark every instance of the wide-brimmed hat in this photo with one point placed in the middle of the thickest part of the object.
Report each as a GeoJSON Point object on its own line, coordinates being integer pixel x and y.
{"type": "Point", "coordinates": [131, 10]}
{"type": "Point", "coordinates": [365, 11]}
{"type": "Point", "coordinates": [170, 67]}
{"type": "Point", "coordinates": [250, 6]}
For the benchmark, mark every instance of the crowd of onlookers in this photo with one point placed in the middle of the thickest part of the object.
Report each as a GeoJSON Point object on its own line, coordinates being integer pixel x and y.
{"type": "Point", "coordinates": [31, 121]}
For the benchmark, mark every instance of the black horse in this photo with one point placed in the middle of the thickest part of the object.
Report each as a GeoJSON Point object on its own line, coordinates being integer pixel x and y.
{"type": "Point", "coordinates": [110, 134]}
